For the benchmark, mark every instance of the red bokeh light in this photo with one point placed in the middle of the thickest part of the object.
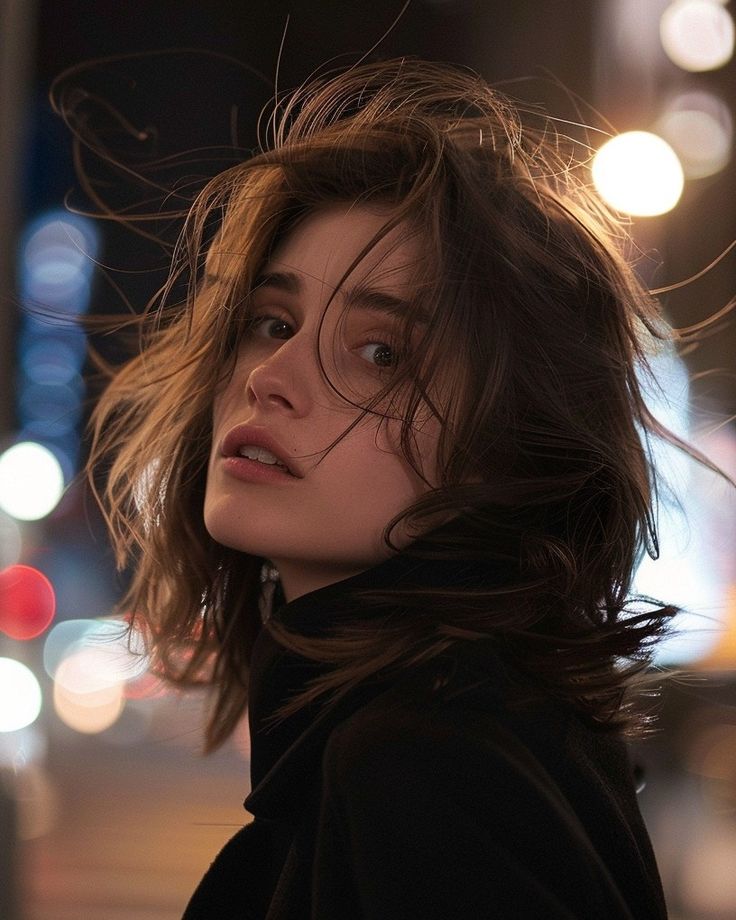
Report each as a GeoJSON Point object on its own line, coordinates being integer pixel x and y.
{"type": "Point", "coordinates": [27, 602]}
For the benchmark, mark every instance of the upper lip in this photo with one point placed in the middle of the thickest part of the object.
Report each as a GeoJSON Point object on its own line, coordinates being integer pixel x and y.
{"type": "Point", "coordinates": [254, 436]}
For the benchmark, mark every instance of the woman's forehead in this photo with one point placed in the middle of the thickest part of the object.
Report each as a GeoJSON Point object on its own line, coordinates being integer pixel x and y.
{"type": "Point", "coordinates": [323, 246]}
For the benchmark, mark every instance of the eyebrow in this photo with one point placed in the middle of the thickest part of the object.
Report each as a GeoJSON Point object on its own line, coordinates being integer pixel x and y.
{"type": "Point", "coordinates": [359, 297]}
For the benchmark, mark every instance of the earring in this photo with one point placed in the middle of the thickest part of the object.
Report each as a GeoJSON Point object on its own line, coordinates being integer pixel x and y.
{"type": "Point", "coordinates": [269, 580]}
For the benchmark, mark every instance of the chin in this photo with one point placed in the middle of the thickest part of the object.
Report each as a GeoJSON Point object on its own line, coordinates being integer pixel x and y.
{"type": "Point", "coordinates": [231, 533]}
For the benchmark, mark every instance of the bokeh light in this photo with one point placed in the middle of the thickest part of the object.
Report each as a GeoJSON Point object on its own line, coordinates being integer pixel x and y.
{"type": "Point", "coordinates": [87, 655]}
{"type": "Point", "coordinates": [91, 662]}
{"type": "Point", "coordinates": [697, 35]}
{"type": "Point", "coordinates": [51, 409]}
{"type": "Point", "coordinates": [699, 127]}
{"type": "Point", "coordinates": [56, 260]}
{"type": "Point", "coordinates": [85, 672]}
{"type": "Point", "coordinates": [31, 481]}
{"type": "Point", "coordinates": [63, 638]}
{"type": "Point", "coordinates": [722, 654]}
{"type": "Point", "coordinates": [27, 602]}
{"type": "Point", "coordinates": [87, 712]}
{"type": "Point", "coordinates": [638, 173]}
{"type": "Point", "coordinates": [20, 695]}
{"type": "Point", "coordinates": [48, 360]}
{"type": "Point", "coordinates": [688, 572]}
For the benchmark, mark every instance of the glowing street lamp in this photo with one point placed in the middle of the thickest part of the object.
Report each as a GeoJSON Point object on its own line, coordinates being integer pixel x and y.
{"type": "Point", "coordinates": [638, 173]}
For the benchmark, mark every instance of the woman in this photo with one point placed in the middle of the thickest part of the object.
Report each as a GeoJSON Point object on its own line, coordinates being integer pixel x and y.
{"type": "Point", "coordinates": [385, 479]}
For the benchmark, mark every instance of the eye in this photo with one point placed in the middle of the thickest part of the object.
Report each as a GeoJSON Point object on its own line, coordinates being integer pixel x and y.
{"type": "Point", "coordinates": [254, 325]}
{"type": "Point", "coordinates": [384, 354]}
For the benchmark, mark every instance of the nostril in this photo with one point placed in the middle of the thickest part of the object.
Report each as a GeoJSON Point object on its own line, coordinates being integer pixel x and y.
{"type": "Point", "coordinates": [272, 398]}
{"type": "Point", "coordinates": [279, 400]}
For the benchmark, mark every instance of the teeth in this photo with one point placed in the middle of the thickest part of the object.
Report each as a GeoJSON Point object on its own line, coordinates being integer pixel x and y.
{"type": "Point", "coordinates": [264, 456]}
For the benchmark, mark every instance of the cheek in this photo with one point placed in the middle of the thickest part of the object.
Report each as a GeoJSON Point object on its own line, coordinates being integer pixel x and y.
{"type": "Point", "coordinates": [425, 435]}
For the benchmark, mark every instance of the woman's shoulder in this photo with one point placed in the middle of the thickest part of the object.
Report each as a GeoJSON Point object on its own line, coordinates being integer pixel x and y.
{"type": "Point", "coordinates": [413, 736]}
{"type": "Point", "coordinates": [457, 705]}
{"type": "Point", "coordinates": [462, 720]}
{"type": "Point", "coordinates": [457, 781]}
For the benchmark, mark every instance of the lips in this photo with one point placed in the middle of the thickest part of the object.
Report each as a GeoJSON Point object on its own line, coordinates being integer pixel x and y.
{"type": "Point", "coordinates": [256, 436]}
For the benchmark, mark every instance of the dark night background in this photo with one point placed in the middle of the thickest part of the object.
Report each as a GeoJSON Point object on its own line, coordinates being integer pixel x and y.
{"type": "Point", "coordinates": [121, 825]}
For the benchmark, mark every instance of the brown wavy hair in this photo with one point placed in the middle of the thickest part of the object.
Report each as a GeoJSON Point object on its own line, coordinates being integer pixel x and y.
{"type": "Point", "coordinates": [543, 330]}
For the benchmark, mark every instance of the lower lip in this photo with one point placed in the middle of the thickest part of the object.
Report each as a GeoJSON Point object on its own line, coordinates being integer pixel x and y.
{"type": "Point", "coordinates": [255, 471]}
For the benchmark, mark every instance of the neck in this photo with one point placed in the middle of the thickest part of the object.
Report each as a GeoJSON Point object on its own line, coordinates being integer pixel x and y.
{"type": "Point", "coordinates": [299, 578]}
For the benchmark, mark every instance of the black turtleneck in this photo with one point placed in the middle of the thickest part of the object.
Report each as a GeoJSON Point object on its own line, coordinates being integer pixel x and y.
{"type": "Point", "coordinates": [394, 803]}
{"type": "Point", "coordinates": [277, 673]}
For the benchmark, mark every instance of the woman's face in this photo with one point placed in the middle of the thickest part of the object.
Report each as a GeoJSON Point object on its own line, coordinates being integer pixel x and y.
{"type": "Point", "coordinates": [326, 525]}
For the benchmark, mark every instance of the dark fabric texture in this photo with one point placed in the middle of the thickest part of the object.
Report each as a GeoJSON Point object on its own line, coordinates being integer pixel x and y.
{"type": "Point", "coordinates": [408, 802]}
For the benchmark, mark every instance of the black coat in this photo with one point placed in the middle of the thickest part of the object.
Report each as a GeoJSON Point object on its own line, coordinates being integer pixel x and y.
{"type": "Point", "coordinates": [404, 802]}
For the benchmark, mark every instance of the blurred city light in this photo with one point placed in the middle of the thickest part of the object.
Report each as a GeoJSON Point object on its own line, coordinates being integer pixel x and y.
{"type": "Point", "coordinates": [638, 173]}
{"type": "Point", "coordinates": [49, 360]}
{"type": "Point", "coordinates": [20, 695]}
{"type": "Point", "coordinates": [31, 481]}
{"type": "Point", "coordinates": [697, 35]}
{"type": "Point", "coordinates": [62, 639]}
{"type": "Point", "coordinates": [87, 655]}
{"type": "Point", "coordinates": [56, 259]}
{"type": "Point", "coordinates": [67, 340]}
{"type": "Point", "coordinates": [699, 127]}
{"type": "Point", "coordinates": [27, 602]}
{"type": "Point", "coordinates": [687, 572]}
{"type": "Point", "coordinates": [84, 672]}
{"type": "Point", "coordinates": [722, 654]}
{"type": "Point", "coordinates": [50, 410]}
{"type": "Point", "coordinates": [57, 256]}
{"type": "Point", "coordinates": [88, 712]}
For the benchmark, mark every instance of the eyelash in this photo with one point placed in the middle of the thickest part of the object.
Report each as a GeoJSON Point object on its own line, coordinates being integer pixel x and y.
{"type": "Point", "coordinates": [255, 322]}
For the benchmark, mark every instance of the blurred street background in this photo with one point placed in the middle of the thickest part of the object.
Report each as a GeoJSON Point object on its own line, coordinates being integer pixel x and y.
{"type": "Point", "coordinates": [108, 810]}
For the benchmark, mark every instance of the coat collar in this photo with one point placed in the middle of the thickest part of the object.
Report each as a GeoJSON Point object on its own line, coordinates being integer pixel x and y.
{"type": "Point", "coordinates": [286, 758]}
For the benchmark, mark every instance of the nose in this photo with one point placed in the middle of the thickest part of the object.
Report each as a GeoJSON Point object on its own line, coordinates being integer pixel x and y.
{"type": "Point", "coordinates": [285, 379]}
